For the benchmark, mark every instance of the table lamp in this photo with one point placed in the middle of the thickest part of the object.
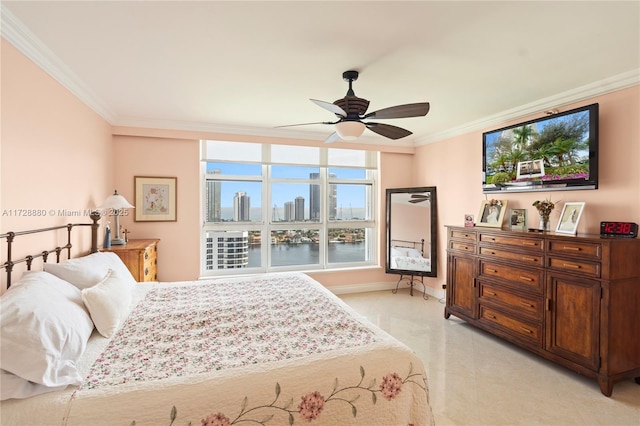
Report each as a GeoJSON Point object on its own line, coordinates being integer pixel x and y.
{"type": "Point", "coordinates": [113, 206]}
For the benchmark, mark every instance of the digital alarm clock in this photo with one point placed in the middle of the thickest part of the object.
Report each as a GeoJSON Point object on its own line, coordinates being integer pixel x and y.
{"type": "Point", "coordinates": [619, 229]}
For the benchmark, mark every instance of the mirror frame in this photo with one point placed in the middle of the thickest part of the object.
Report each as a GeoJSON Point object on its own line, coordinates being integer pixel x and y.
{"type": "Point", "coordinates": [432, 245]}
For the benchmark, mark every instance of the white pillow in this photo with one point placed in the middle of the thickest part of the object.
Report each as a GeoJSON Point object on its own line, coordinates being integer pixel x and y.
{"type": "Point", "coordinates": [14, 387]}
{"type": "Point", "coordinates": [413, 253]}
{"type": "Point", "coordinates": [89, 270]}
{"type": "Point", "coordinates": [44, 330]}
{"type": "Point", "coordinates": [399, 251]}
{"type": "Point", "coordinates": [108, 302]}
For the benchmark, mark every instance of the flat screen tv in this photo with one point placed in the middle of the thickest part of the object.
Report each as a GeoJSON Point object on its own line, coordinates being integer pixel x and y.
{"type": "Point", "coordinates": [555, 152]}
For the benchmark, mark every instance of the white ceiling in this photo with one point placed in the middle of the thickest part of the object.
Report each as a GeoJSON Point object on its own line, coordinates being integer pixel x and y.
{"type": "Point", "coordinates": [246, 67]}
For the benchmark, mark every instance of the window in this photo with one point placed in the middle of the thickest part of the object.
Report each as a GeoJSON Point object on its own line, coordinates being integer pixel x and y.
{"type": "Point", "coordinates": [278, 207]}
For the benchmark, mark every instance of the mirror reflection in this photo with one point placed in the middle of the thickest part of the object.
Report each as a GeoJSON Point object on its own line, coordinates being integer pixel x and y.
{"type": "Point", "coordinates": [411, 232]}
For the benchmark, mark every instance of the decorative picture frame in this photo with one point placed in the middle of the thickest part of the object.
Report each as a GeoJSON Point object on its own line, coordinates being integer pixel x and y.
{"type": "Point", "coordinates": [468, 221]}
{"type": "Point", "coordinates": [518, 219]}
{"type": "Point", "coordinates": [492, 213]}
{"type": "Point", "coordinates": [155, 199]}
{"type": "Point", "coordinates": [570, 218]}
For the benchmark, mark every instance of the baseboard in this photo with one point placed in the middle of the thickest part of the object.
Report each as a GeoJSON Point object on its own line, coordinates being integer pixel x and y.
{"type": "Point", "coordinates": [362, 288]}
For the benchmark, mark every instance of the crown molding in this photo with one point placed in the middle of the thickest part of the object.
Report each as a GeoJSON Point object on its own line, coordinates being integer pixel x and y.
{"type": "Point", "coordinates": [16, 33]}
{"type": "Point", "coordinates": [591, 90]}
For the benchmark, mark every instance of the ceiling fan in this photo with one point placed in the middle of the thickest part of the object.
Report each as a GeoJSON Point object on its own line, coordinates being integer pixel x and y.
{"type": "Point", "coordinates": [351, 111]}
{"type": "Point", "coordinates": [419, 198]}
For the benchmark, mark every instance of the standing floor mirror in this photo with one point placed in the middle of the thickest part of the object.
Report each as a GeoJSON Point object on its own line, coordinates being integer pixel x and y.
{"type": "Point", "coordinates": [412, 235]}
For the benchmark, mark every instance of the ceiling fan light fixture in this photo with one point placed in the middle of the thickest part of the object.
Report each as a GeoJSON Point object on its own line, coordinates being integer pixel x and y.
{"type": "Point", "coordinates": [350, 130]}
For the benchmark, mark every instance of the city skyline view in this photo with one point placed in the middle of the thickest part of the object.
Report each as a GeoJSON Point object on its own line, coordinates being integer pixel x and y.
{"type": "Point", "coordinates": [350, 199]}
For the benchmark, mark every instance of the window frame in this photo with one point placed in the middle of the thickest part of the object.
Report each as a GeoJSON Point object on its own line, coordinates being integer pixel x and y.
{"type": "Point", "coordinates": [265, 225]}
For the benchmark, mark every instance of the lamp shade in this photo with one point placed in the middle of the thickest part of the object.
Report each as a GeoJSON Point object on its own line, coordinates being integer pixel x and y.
{"type": "Point", "coordinates": [350, 130]}
{"type": "Point", "coordinates": [116, 201]}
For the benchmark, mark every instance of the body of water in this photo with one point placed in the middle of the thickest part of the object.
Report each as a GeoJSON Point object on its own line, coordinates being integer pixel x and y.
{"type": "Point", "coordinates": [308, 254]}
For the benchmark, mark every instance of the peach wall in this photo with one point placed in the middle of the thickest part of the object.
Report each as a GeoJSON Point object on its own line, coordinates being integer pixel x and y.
{"type": "Point", "coordinates": [56, 153]}
{"type": "Point", "coordinates": [454, 166]}
{"type": "Point", "coordinates": [178, 250]}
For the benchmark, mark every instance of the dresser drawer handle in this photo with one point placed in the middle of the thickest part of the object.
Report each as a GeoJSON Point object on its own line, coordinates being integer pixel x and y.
{"type": "Point", "coordinates": [571, 248]}
{"type": "Point", "coordinates": [527, 304]}
{"type": "Point", "coordinates": [526, 330]}
{"type": "Point", "coordinates": [146, 271]}
{"type": "Point", "coordinates": [146, 255]}
{"type": "Point", "coordinates": [529, 243]}
{"type": "Point", "coordinates": [492, 239]}
{"type": "Point", "coordinates": [529, 279]}
{"type": "Point", "coordinates": [571, 265]}
{"type": "Point", "coordinates": [490, 293]}
{"type": "Point", "coordinates": [491, 316]}
{"type": "Point", "coordinates": [530, 259]}
{"type": "Point", "coordinates": [493, 271]}
{"type": "Point", "coordinates": [492, 252]}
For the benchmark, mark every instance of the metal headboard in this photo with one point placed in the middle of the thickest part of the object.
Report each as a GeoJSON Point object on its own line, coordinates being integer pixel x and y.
{"type": "Point", "coordinates": [9, 264]}
{"type": "Point", "coordinates": [414, 244]}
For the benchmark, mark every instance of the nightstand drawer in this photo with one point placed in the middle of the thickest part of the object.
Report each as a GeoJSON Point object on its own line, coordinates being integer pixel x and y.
{"type": "Point", "coordinates": [140, 257]}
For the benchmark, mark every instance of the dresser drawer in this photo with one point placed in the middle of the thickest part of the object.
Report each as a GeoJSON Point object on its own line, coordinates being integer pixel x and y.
{"type": "Point", "coordinates": [516, 327]}
{"type": "Point", "coordinates": [526, 279]}
{"type": "Point", "coordinates": [527, 305]}
{"type": "Point", "coordinates": [575, 249]}
{"type": "Point", "coordinates": [576, 266]}
{"type": "Point", "coordinates": [466, 246]}
{"type": "Point", "coordinates": [530, 243]}
{"type": "Point", "coordinates": [533, 259]}
{"type": "Point", "coordinates": [458, 234]}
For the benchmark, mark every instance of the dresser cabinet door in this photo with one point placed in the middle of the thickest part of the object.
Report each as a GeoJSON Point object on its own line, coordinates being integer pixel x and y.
{"type": "Point", "coordinates": [461, 289]}
{"type": "Point", "coordinates": [573, 319]}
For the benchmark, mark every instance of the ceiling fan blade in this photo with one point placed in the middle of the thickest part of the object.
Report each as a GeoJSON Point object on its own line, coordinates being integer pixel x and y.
{"type": "Point", "coordinates": [423, 196]}
{"type": "Point", "coordinates": [330, 107]}
{"type": "Point", "coordinates": [401, 111]}
{"type": "Point", "coordinates": [388, 131]}
{"type": "Point", "coordinates": [305, 124]}
{"type": "Point", "coordinates": [418, 201]}
{"type": "Point", "coordinates": [333, 137]}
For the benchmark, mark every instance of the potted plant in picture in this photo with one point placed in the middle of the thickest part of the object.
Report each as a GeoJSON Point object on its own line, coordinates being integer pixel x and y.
{"type": "Point", "coordinates": [544, 207]}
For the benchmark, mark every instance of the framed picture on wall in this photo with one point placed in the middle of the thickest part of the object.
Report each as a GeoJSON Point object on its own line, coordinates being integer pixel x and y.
{"type": "Point", "coordinates": [155, 199]}
{"type": "Point", "coordinates": [569, 218]}
{"type": "Point", "coordinates": [492, 213]}
{"type": "Point", "coordinates": [518, 219]}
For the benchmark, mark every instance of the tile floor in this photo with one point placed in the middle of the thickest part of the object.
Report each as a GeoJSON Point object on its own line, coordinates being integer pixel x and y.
{"type": "Point", "coordinates": [477, 379]}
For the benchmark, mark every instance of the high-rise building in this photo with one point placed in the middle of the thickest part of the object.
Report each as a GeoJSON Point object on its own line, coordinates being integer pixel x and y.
{"type": "Point", "coordinates": [241, 207]}
{"type": "Point", "coordinates": [314, 198]}
{"type": "Point", "coordinates": [289, 211]}
{"type": "Point", "coordinates": [299, 209]}
{"type": "Point", "coordinates": [213, 208]}
{"type": "Point", "coordinates": [227, 250]}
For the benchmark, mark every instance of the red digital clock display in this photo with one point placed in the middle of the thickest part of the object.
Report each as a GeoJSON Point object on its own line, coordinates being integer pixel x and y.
{"type": "Point", "coordinates": [619, 229]}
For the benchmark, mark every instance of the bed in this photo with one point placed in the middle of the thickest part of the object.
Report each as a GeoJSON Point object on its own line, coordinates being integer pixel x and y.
{"type": "Point", "coordinates": [408, 255]}
{"type": "Point", "coordinates": [267, 349]}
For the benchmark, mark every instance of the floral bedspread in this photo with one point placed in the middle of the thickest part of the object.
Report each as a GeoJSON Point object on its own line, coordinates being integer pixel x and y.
{"type": "Point", "coordinates": [196, 329]}
{"type": "Point", "coordinates": [276, 349]}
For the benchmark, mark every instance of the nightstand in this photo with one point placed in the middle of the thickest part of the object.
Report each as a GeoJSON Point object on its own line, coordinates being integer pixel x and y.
{"type": "Point", "coordinates": [140, 257]}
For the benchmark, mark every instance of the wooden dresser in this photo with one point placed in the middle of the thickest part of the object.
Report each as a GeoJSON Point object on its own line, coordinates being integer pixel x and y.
{"type": "Point", "coordinates": [141, 258]}
{"type": "Point", "coordinates": [574, 300]}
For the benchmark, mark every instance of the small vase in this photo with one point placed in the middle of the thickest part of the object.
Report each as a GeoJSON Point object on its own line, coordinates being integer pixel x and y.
{"type": "Point", "coordinates": [545, 223]}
